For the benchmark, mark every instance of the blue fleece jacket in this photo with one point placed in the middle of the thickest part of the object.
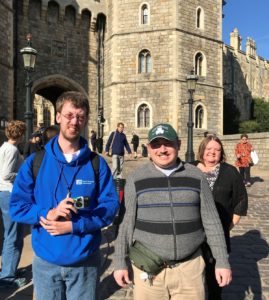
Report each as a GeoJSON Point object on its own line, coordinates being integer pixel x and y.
{"type": "Point", "coordinates": [30, 200]}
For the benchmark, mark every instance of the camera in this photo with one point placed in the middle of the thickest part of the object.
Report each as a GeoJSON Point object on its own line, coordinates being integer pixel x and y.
{"type": "Point", "coordinates": [81, 202]}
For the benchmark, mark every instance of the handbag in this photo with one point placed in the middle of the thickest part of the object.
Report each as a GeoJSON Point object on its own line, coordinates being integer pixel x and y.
{"type": "Point", "coordinates": [146, 260]}
{"type": "Point", "coordinates": [254, 157]}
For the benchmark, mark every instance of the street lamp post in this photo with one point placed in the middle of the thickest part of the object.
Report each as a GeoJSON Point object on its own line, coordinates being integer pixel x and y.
{"type": "Point", "coordinates": [100, 129]}
{"type": "Point", "coordinates": [191, 83]}
{"type": "Point", "coordinates": [29, 57]}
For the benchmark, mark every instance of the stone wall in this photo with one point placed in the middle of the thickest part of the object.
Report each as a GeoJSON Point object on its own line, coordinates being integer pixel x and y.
{"type": "Point", "coordinates": [245, 76]}
{"type": "Point", "coordinates": [64, 34]}
{"type": "Point", "coordinates": [6, 64]}
{"type": "Point", "coordinates": [260, 142]}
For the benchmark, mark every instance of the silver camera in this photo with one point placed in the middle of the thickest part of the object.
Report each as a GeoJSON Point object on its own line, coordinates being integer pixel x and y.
{"type": "Point", "coordinates": [81, 202]}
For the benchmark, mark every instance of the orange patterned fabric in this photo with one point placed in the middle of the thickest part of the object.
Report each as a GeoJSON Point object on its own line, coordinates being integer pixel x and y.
{"type": "Point", "coordinates": [243, 149]}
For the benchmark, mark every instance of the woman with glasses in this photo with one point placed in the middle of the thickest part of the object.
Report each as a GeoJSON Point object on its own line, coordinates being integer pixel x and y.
{"type": "Point", "coordinates": [243, 158]}
{"type": "Point", "coordinates": [230, 197]}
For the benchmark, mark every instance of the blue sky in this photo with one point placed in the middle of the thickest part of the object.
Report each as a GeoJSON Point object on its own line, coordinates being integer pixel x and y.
{"type": "Point", "coordinates": [251, 17]}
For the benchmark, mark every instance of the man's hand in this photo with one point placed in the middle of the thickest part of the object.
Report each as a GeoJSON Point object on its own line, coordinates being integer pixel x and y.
{"type": "Point", "coordinates": [223, 276]}
{"type": "Point", "coordinates": [56, 227]}
{"type": "Point", "coordinates": [121, 277]}
{"type": "Point", "coordinates": [64, 209]}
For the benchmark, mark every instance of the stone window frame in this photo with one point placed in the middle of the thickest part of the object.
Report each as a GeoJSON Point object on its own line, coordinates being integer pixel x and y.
{"type": "Point", "coordinates": [3, 122]}
{"type": "Point", "coordinates": [47, 117]}
{"type": "Point", "coordinates": [142, 7]}
{"type": "Point", "coordinates": [86, 12]}
{"type": "Point", "coordinates": [137, 110]}
{"type": "Point", "coordinates": [34, 10]}
{"type": "Point", "coordinates": [200, 64]}
{"type": "Point", "coordinates": [144, 59]}
{"type": "Point", "coordinates": [70, 9]}
{"type": "Point", "coordinates": [200, 18]}
{"type": "Point", "coordinates": [200, 124]}
{"type": "Point", "coordinates": [51, 5]}
{"type": "Point", "coordinates": [35, 117]}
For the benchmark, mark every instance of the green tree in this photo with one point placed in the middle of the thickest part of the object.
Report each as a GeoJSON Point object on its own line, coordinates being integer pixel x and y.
{"type": "Point", "coordinates": [259, 122]}
{"type": "Point", "coordinates": [248, 126]}
{"type": "Point", "coordinates": [261, 114]}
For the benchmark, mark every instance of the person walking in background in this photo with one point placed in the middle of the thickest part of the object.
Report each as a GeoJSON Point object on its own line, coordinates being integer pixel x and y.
{"type": "Point", "coordinates": [10, 162]}
{"type": "Point", "coordinates": [93, 140]}
{"type": "Point", "coordinates": [169, 213]}
{"type": "Point", "coordinates": [243, 158]}
{"type": "Point", "coordinates": [67, 203]}
{"type": "Point", "coordinates": [116, 143]}
{"type": "Point", "coordinates": [230, 197]}
{"type": "Point", "coordinates": [135, 142]}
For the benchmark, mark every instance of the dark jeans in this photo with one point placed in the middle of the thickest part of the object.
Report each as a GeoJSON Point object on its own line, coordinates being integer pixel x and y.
{"type": "Point", "coordinates": [245, 173]}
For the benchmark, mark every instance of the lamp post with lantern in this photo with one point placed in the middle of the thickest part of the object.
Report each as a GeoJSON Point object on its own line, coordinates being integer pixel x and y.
{"type": "Point", "coordinates": [29, 57]}
{"type": "Point", "coordinates": [191, 84]}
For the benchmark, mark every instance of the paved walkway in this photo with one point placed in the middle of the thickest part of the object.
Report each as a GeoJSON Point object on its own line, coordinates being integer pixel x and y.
{"type": "Point", "coordinates": [249, 257]}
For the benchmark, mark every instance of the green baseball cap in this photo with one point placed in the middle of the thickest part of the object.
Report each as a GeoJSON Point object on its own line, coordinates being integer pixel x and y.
{"type": "Point", "coordinates": [162, 130]}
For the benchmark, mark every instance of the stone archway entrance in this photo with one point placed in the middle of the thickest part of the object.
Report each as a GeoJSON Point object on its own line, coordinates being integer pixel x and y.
{"type": "Point", "coordinates": [46, 91]}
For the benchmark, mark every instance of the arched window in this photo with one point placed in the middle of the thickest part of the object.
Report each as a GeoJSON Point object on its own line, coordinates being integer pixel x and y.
{"type": "Point", "coordinates": [144, 14]}
{"type": "Point", "coordinates": [70, 15]}
{"type": "Point", "coordinates": [3, 122]}
{"type": "Point", "coordinates": [53, 12]}
{"type": "Point", "coordinates": [199, 117]}
{"type": "Point", "coordinates": [34, 12]}
{"type": "Point", "coordinates": [200, 18]}
{"type": "Point", "coordinates": [200, 64]}
{"type": "Point", "coordinates": [143, 116]}
{"type": "Point", "coordinates": [35, 117]}
{"type": "Point", "coordinates": [85, 19]}
{"type": "Point", "coordinates": [46, 117]}
{"type": "Point", "coordinates": [144, 62]}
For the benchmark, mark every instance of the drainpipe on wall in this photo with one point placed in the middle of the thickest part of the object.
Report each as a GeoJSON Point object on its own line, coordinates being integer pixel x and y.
{"type": "Point", "coordinates": [100, 83]}
{"type": "Point", "coordinates": [15, 56]}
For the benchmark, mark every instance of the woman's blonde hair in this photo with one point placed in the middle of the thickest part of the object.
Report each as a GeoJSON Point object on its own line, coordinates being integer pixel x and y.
{"type": "Point", "coordinates": [15, 130]}
{"type": "Point", "coordinates": [205, 141]}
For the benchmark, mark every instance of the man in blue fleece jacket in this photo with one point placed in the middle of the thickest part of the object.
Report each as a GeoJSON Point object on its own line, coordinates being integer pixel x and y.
{"type": "Point", "coordinates": [65, 238]}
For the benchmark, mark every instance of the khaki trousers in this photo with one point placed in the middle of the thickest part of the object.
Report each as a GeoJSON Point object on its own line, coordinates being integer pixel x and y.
{"type": "Point", "coordinates": [183, 282]}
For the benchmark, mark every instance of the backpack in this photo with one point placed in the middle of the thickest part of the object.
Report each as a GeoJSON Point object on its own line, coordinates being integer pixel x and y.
{"type": "Point", "coordinates": [39, 155]}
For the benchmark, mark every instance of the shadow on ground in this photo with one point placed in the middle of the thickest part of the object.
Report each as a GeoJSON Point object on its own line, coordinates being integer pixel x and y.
{"type": "Point", "coordinates": [247, 250]}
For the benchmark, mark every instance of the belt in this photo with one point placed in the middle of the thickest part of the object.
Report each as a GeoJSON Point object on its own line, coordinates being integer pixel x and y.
{"type": "Point", "coordinates": [174, 263]}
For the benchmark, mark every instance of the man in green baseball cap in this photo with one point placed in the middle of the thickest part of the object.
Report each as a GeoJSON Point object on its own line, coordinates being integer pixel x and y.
{"type": "Point", "coordinates": [163, 146]}
{"type": "Point", "coordinates": [162, 130]}
{"type": "Point", "coordinates": [169, 213]}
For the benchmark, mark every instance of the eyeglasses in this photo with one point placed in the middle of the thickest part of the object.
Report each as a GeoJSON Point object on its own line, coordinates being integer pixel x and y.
{"type": "Point", "coordinates": [71, 116]}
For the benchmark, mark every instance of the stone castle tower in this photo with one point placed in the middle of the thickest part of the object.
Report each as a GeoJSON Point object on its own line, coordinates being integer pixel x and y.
{"type": "Point", "coordinates": [150, 48]}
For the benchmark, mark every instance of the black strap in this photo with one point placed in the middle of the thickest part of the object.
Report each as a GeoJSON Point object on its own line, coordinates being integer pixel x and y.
{"type": "Point", "coordinates": [94, 157]}
{"type": "Point", "coordinates": [39, 155]}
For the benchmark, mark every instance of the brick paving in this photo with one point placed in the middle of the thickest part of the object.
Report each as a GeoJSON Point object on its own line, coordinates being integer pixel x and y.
{"type": "Point", "coordinates": [249, 257]}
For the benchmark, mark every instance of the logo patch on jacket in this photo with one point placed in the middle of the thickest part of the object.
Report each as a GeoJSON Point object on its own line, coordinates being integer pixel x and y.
{"type": "Point", "coordinates": [82, 182]}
